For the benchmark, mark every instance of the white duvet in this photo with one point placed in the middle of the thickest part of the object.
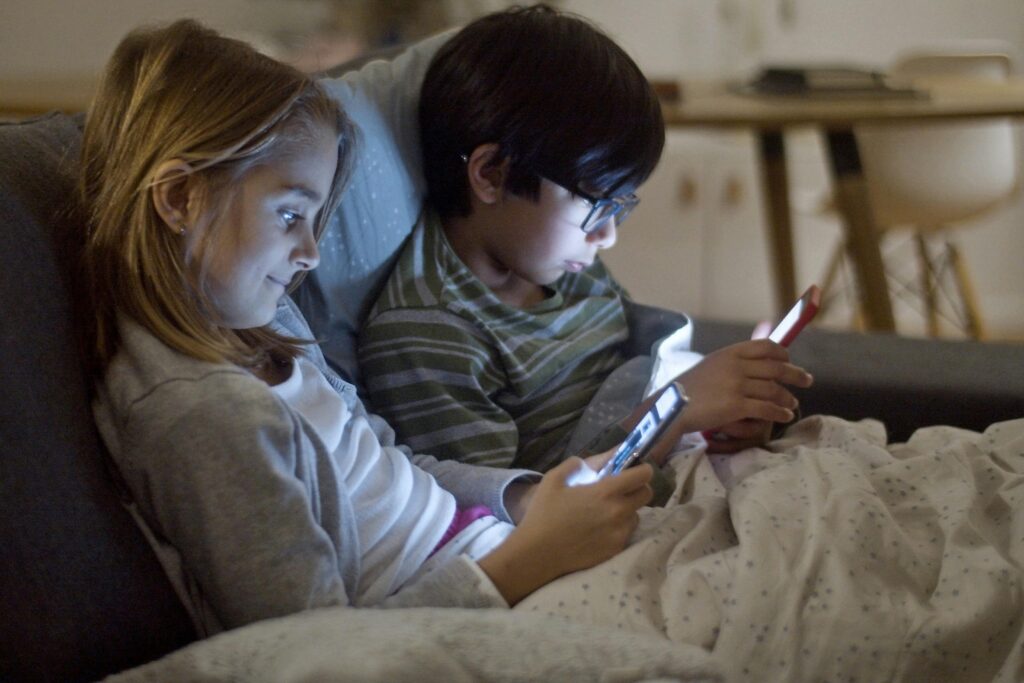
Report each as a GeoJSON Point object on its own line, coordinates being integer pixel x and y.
{"type": "Point", "coordinates": [829, 557]}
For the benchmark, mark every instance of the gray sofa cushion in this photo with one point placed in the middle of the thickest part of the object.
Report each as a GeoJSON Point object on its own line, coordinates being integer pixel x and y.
{"type": "Point", "coordinates": [81, 594]}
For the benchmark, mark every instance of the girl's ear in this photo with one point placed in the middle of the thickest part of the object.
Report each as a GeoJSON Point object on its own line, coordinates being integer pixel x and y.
{"type": "Point", "coordinates": [170, 190]}
{"type": "Point", "coordinates": [486, 173]}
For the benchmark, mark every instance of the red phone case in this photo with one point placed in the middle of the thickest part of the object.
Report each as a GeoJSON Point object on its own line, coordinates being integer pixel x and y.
{"type": "Point", "coordinates": [802, 312]}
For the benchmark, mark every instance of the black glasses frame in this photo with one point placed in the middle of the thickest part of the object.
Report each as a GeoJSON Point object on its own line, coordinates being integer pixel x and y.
{"type": "Point", "coordinates": [600, 214]}
{"type": "Point", "coordinates": [595, 219]}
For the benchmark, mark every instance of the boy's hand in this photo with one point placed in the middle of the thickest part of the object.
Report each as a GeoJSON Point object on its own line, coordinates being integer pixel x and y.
{"type": "Point", "coordinates": [747, 433]}
{"type": "Point", "coordinates": [740, 382]}
{"type": "Point", "coordinates": [736, 436]}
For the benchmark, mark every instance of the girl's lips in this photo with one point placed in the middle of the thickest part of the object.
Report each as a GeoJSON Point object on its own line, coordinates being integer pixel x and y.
{"type": "Point", "coordinates": [277, 281]}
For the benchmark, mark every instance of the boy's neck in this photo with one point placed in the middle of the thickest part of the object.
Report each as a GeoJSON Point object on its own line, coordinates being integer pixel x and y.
{"type": "Point", "coordinates": [466, 236]}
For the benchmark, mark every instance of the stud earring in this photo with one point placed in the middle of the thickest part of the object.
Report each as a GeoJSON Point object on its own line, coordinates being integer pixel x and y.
{"type": "Point", "coordinates": [181, 228]}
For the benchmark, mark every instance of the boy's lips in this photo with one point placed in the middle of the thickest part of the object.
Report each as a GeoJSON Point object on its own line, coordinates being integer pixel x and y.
{"type": "Point", "coordinates": [279, 281]}
{"type": "Point", "coordinates": [575, 266]}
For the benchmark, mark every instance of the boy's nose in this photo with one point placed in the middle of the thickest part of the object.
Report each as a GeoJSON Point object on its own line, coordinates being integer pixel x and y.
{"type": "Point", "coordinates": [605, 236]}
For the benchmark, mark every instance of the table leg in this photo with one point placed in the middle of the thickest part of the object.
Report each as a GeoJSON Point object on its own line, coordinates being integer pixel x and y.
{"type": "Point", "coordinates": [780, 230]}
{"type": "Point", "coordinates": [851, 196]}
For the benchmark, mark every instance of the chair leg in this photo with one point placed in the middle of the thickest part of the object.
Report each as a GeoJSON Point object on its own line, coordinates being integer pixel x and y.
{"type": "Point", "coordinates": [828, 295]}
{"type": "Point", "coordinates": [972, 316]}
{"type": "Point", "coordinates": [831, 273]}
{"type": "Point", "coordinates": [926, 273]}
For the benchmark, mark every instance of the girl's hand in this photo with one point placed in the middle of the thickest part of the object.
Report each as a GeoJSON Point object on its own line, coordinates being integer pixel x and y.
{"type": "Point", "coordinates": [568, 528]}
{"type": "Point", "coordinates": [596, 462]}
{"type": "Point", "coordinates": [742, 381]}
{"type": "Point", "coordinates": [519, 494]}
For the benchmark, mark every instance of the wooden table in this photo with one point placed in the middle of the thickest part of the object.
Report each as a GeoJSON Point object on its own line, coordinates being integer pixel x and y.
{"type": "Point", "coordinates": [716, 105]}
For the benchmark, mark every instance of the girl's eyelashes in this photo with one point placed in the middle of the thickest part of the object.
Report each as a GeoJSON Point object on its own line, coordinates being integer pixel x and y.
{"type": "Point", "coordinates": [290, 217]}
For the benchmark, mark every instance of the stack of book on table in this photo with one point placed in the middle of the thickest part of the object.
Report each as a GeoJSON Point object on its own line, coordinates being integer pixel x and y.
{"type": "Point", "coordinates": [824, 81]}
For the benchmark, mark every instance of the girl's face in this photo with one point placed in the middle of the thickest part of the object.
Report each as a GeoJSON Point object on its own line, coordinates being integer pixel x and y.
{"type": "Point", "coordinates": [265, 236]}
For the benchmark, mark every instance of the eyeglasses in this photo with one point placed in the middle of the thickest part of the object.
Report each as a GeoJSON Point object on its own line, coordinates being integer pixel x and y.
{"type": "Point", "coordinates": [603, 209]}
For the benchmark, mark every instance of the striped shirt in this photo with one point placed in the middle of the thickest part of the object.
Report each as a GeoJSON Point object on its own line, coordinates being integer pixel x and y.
{"type": "Point", "coordinates": [463, 376]}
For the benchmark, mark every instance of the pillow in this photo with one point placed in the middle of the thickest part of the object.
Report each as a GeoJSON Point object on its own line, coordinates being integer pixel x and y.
{"type": "Point", "coordinates": [380, 205]}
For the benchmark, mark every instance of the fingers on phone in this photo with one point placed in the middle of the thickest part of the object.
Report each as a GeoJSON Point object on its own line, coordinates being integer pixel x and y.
{"type": "Point", "coordinates": [783, 373]}
{"type": "Point", "coordinates": [767, 390]}
{"type": "Point", "coordinates": [796, 376]}
{"type": "Point", "coordinates": [639, 495]}
{"type": "Point", "coordinates": [567, 466]}
{"type": "Point", "coordinates": [761, 350]}
{"type": "Point", "coordinates": [639, 474]}
{"type": "Point", "coordinates": [765, 409]}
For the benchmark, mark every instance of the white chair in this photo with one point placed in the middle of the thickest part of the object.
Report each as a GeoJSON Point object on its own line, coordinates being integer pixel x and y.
{"type": "Point", "coordinates": [932, 178]}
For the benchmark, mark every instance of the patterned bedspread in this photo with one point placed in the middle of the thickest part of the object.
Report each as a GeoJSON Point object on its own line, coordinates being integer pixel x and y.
{"type": "Point", "coordinates": [831, 556]}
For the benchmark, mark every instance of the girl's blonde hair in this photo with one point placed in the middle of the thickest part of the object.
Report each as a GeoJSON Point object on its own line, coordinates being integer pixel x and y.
{"type": "Point", "coordinates": [185, 92]}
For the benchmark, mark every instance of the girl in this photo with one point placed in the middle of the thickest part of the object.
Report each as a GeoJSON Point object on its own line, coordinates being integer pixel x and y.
{"type": "Point", "coordinates": [209, 171]}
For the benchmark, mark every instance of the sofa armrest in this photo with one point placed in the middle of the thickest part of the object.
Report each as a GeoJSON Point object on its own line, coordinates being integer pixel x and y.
{"type": "Point", "coordinates": [82, 593]}
{"type": "Point", "coordinates": [649, 324]}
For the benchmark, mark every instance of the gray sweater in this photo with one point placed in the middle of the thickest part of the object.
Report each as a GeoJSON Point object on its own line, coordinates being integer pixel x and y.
{"type": "Point", "coordinates": [239, 497]}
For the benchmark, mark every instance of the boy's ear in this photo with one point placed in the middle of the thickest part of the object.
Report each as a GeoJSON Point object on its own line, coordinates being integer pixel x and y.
{"type": "Point", "coordinates": [486, 173]}
{"type": "Point", "coordinates": [170, 190]}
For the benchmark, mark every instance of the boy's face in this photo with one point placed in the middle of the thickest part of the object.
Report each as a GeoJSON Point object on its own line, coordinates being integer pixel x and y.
{"type": "Point", "coordinates": [539, 241]}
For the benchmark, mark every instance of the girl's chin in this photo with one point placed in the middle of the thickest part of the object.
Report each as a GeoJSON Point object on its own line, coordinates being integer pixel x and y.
{"type": "Point", "coordinates": [252, 318]}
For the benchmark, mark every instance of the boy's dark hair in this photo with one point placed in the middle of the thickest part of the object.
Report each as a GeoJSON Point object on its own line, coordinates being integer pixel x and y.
{"type": "Point", "coordinates": [558, 96]}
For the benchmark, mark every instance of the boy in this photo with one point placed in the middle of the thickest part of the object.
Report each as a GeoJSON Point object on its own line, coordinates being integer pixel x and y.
{"type": "Point", "coordinates": [499, 323]}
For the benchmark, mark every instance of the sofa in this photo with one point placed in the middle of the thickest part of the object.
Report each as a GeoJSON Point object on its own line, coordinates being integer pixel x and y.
{"type": "Point", "coordinates": [81, 594]}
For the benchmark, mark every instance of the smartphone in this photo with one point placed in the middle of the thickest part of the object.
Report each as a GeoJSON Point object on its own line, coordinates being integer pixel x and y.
{"type": "Point", "coordinates": [646, 432]}
{"type": "Point", "coordinates": [797, 317]}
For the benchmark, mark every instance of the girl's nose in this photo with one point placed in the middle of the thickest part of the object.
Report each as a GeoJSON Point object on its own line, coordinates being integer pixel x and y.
{"type": "Point", "coordinates": [307, 255]}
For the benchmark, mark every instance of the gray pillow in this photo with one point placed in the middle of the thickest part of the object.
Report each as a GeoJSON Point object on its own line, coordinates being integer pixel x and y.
{"type": "Point", "coordinates": [380, 205]}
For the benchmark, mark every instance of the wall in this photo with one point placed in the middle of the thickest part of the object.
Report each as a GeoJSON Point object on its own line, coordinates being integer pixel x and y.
{"type": "Point", "coordinates": [48, 38]}
{"type": "Point", "coordinates": [696, 243]}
